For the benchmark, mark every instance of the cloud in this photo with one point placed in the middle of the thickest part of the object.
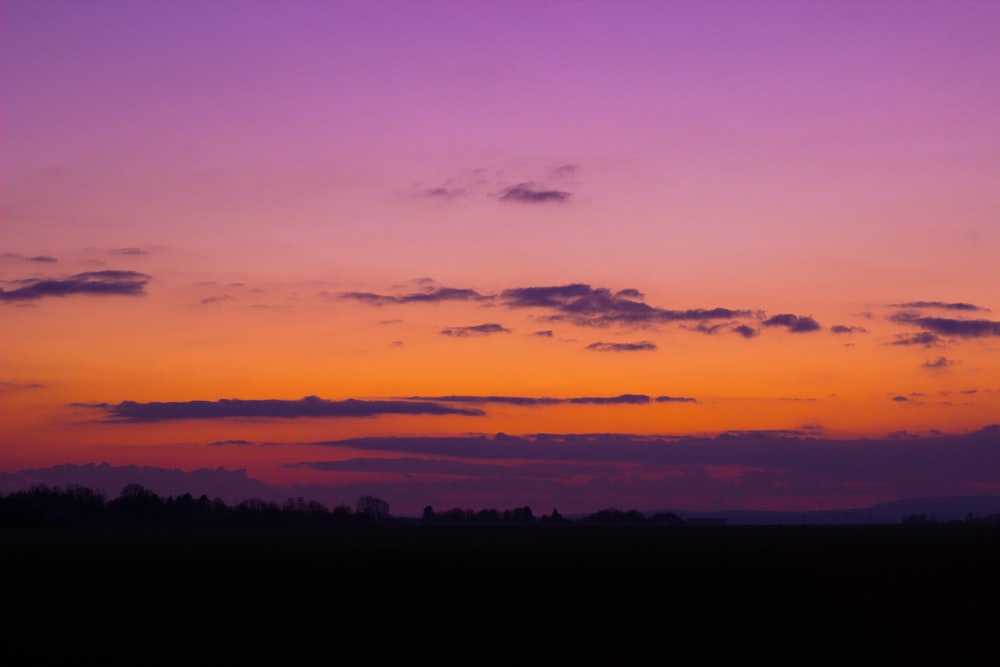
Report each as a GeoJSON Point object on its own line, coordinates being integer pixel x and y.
{"type": "Point", "coordinates": [948, 326]}
{"type": "Point", "coordinates": [584, 473]}
{"type": "Point", "coordinates": [310, 406]}
{"type": "Point", "coordinates": [941, 305]}
{"type": "Point", "coordinates": [844, 329]}
{"type": "Point", "coordinates": [19, 386]}
{"type": "Point", "coordinates": [227, 443]}
{"type": "Point", "coordinates": [565, 170]}
{"type": "Point", "coordinates": [531, 401]}
{"type": "Point", "coordinates": [675, 399]}
{"type": "Point", "coordinates": [39, 259]}
{"type": "Point", "coordinates": [529, 193]}
{"type": "Point", "coordinates": [129, 252]}
{"type": "Point", "coordinates": [926, 339]}
{"type": "Point", "coordinates": [222, 298]}
{"type": "Point", "coordinates": [640, 346]}
{"type": "Point", "coordinates": [547, 333]}
{"type": "Point", "coordinates": [900, 399]}
{"type": "Point", "coordinates": [793, 323]}
{"type": "Point", "coordinates": [101, 283]}
{"type": "Point", "coordinates": [939, 363]}
{"type": "Point", "coordinates": [442, 193]}
{"type": "Point", "coordinates": [475, 330]}
{"type": "Point", "coordinates": [429, 296]}
{"type": "Point", "coordinates": [745, 331]}
{"type": "Point", "coordinates": [707, 329]}
{"type": "Point", "coordinates": [587, 306]}
{"type": "Point", "coordinates": [787, 450]}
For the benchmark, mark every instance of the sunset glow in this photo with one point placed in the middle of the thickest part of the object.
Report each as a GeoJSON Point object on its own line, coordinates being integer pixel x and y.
{"type": "Point", "coordinates": [235, 234]}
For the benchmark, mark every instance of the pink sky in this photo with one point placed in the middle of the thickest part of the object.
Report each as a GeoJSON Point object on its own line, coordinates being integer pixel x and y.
{"type": "Point", "coordinates": [785, 211]}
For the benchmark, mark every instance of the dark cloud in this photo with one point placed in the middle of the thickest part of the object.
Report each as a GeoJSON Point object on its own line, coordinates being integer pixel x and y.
{"type": "Point", "coordinates": [793, 452]}
{"type": "Point", "coordinates": [584, 473]}
{"type": "Point", "coordinates": [529, 193]}
{"type": "Point", "coordinates": [640, 346]}
{"type": "Point", "coordinates": [129, 252]}
{"type": "Point", "coordinates": [410, 466]}
{"type": "Point", "coordinates": [844, 329]}
{"type": "Point", "coordinates": [926, 339]}
{"type": "Point", "coordinates": [429, 296]}
{"type": "Point", "coordinates": [707, 329]}
{"type": "Point", "coordinates": [900, 399]}
{"type": "Point", "coordinates": [121, 283]}
{"type": "Point", "coordinates": [675, 399]}
{"type": "Point", "coordinates": [745, 331]}
{"type": "Point", "coordinates": [948, 326]}
{"type": "Point", "coordinates": [938, 363]}
{"type": "Point", "coordinates": [584, 305]}
{"type": "Point", "coordinates": [622, 399]}
{"type": "Point", "coordinates": [475, 330]}
{"type": "Point", "coordinates": [310, 406]}
{"type": "Point", "coordinates": [941, 305]}
{"type": "Point", "coordinates": [547, 333]}
{"type": "Point", "coordinates": [228, 443]}
{"type": "Point", "coordinates": [793, 323]}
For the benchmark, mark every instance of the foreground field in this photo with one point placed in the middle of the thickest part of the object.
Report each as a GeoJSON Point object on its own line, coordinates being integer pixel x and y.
{"type": "Point", "coordinates": [919, 594]}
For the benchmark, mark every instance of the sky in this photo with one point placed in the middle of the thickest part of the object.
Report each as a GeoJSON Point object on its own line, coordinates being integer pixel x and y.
{"type": "Point", "coordinates": [580, 254]}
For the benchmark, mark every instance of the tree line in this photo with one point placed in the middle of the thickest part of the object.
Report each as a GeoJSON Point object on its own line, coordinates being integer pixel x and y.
{"type": "Point", "coordinates": [73, 505]}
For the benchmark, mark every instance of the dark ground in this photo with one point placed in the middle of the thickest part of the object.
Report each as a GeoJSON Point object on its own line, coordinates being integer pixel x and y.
{"type": "Point", "coordinates": [927, 594]}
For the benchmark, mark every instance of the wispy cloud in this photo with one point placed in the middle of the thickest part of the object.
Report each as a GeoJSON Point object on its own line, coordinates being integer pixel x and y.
{"type": "Point", "coordinates": [565, 170]}
{"type": "Point", "coordinates": [641, 346]}
{"type": "Point", "coordinates": [130, 252]}
{"type": "Point", "coordinates": [530, 193]}
{"type": "Point", "coordinates": [442, 193]}
{"type": "Point", "coordinates": [38, 259]}
{"type": "Point", "coordinates": [925, 338]}
{"type": "Point", "coordinates": [939, 363]}
{"type": "Point", "coordinates": [216, 300]}
{"type": "Point", "coordinates": [487, 329]}
{"type": "Point", "coordinates": [19, 386]}
{"type": "Point", "coordinates": [99, 283]}
{"type": "Point", "coordinates": [941, 305]}
{"type": "Point", "coordinates": [434, 295]}
{"type": "Point", "coordinates": [230, 408]}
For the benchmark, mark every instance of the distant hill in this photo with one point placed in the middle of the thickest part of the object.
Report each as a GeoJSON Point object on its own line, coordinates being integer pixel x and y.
{"type": "Point", "coordinates": [940, 509]}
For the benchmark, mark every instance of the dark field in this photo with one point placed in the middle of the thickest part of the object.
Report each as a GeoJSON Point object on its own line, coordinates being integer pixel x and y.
{"type": "Point", "coordinates": [927, 594]}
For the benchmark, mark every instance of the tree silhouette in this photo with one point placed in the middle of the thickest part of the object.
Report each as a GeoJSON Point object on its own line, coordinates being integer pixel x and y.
{"type": "Point", "coordinates": [372, 508]}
